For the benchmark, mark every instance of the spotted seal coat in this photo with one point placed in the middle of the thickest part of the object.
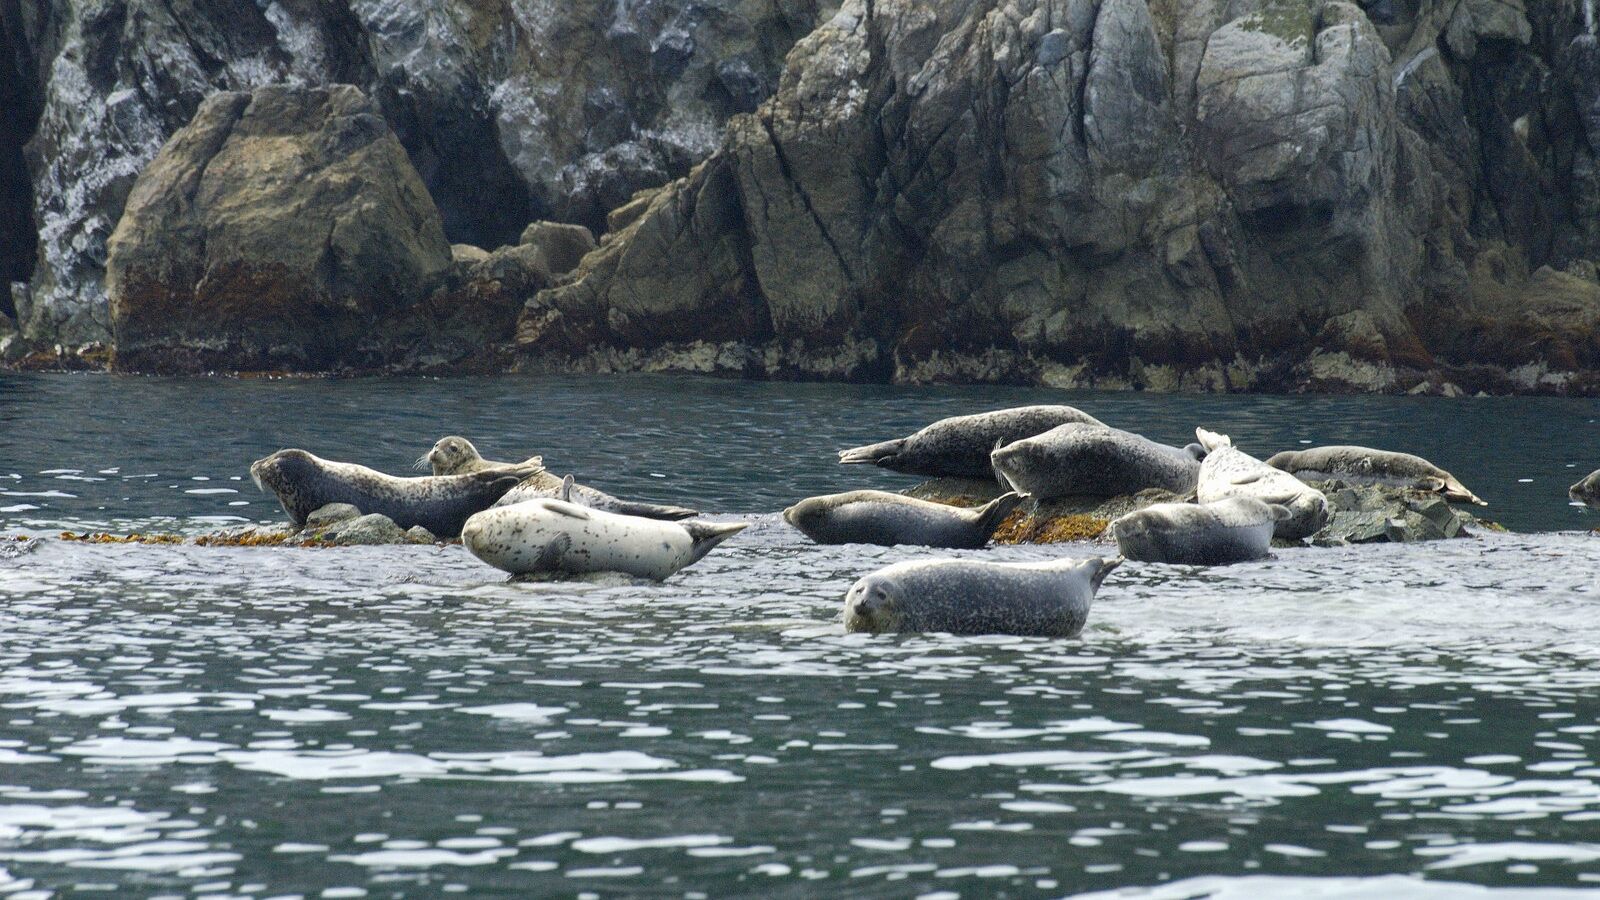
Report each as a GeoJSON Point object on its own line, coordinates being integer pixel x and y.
{"type": "Point", "coordinates": [1230, 472]}
{"type": "Point", "coordinates": [1237, 529]}
{"type": "Point", "coordinates": [879, 517]}
{"type": "Point", "coordinates": [1587, 491]}
{"type": "Point", "coordinates": [1364, 465]}
{"type": "Point", "coordinates": [454, 455]}
{"type": "Point", "coordinates": [1077, 460]}
{"type": "Point", "coordinates": [304, 483]}
{"type": "Point", "coordinates": [960, 596]}
{"type": "Point", "coordinates": [959, 446]}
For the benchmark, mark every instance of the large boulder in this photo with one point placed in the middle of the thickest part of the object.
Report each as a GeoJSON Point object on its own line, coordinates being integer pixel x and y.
{"type": "Point", "coordinates": [272, 232]}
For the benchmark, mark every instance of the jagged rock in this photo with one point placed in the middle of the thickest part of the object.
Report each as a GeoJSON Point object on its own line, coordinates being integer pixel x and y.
{"type": "Point", "coordinates": [325, 517]}
{"type": "Point", "coordinates": [272, 232]}
{"type": "Point", "coordinates": [560, 246]}
{"type": "Point", "coordinates": [374, 528]}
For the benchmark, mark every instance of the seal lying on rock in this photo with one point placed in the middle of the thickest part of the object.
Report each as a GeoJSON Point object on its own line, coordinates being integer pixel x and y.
{"type": "Point", "coordinates": [1364, 465]}
{"type": "Point", "coordinates": [304, 483]}
{"type": "Point", "coordinates": [455, 455]}
{"type": "Point", "coordinates": [879, 517]}
{"type": "Point", "coordinates": [1049, 599]}
{"type": "Point", "coordinates": [959, 447]}
{"type": "Point", "coordinates": [1093, 461]}
{"type": "Point", "coordinates": [558, 536]}
{"type": "Point", "coordinates": [1230, 472]}
{"type": "Point", "coordinates": [1587, 491]}
{"type": "Point", "coordinates": [1238, 529]}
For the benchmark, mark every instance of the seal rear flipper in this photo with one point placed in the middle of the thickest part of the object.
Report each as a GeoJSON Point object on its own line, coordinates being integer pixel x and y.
{"type": "Point", "coordinates": [1279, 511]}
{"type": "Point", "coordinates": [1098, 569]}
{"type": "Point", "coordinates": [1455, 490]}
{"type": "Point", "coordinates": [1211, 440]}
{"type": "Point", "coordinates": [707, 535]}
{"type": "Point", "coordinates": [879, 454]}
{"type": "Point", "coordinates": [991, 514]}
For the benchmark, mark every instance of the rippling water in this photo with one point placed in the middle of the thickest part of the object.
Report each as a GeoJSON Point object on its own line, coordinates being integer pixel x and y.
{"type": "Point", "coordinates": [1376, 721]}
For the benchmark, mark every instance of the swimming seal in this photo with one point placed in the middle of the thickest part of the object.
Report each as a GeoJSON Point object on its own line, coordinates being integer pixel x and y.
{"type": "Point", "coordinates": [1587, 491]}
{"type": "Point", "coordinates": [879, 517]}
{"type": "Point", "coordinates": [959, 446]}
{"type": "Point", "coordinates": [303, 483]}
{"type": "Point", "coordinates": [1078, 460]}
{"type": "Point", "coordinates": [556, 536]}
{"type": "Point", "coordinates": [1230, 472]}
{"type": "Point", "coordinates": [455, 455]}
{"type": "Point", "coordinates": [1238, 529]}
{"type": "Point", "coordinates": [1364, 465]}
{"type": "Point", "coordinates": [1048, 599]}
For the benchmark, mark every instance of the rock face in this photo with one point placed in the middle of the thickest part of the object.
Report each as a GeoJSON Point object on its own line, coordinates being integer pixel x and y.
{"type": "Point", "coordinates": [272, 232]}
{"type": "Point", "coordinates": [510, 110]}
{"type": "Point", "coordinates": [1207, 195]}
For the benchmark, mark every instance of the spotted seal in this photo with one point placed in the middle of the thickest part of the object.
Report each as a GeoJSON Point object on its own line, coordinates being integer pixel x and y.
{"type": "Point", "coordinates": [1364, 465]}
{"type": "Point", "coordinates": [1587, 491]}
{"type": "Point", "coordinates": [1230, 472]}
{"type": "Point", "coordinates": [959, 446]}
{"type": "Point", "coordinates": [960, 596]}
{"type": "Point", "coordinates": [556, 536]}
{"type": "Point", "coordinates": [454, 454]}
{"type": "Point", "coordinates": [304, 483]}
{"type": "Point", "coordinates": [1237, 529]}
{"type": "Point", "coordinates": [1078, 460]}
{"type": "Point", "coordinates": [879, 517]}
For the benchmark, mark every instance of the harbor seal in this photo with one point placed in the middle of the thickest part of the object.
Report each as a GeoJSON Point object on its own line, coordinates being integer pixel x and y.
{"type": "Point", "coordinates": [1230, 472]}
{"type": "Point", "coordinates": [1238, 529]}
{"type": "Point", "coordinates": [1587, 491]}
{"type": "Point", "coordinates": [1079, 460]}
{"type": "Point", "coordinates": [1048, 599]}
{"type": "Point", "coordinates": [303, 483]}
{"type": "Point", "coordinates": [556, 536]}
{"type": "Point", "coordinates": [879, 517]}
{"type": "Point", "coordinates": [1364, 465]}
{"type": "Point", "coordinates": [959, 446]}
{"type": "Point", "coordinates": [455, 455]}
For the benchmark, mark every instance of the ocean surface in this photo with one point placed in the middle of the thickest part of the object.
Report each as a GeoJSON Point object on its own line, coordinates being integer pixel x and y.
{"type": "Point", "coordinates": [1381, 721]}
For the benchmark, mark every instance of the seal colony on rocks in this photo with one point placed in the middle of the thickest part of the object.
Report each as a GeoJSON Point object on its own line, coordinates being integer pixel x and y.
{"type": "Point", "coordinates": [959, 596]}
{"type": "Point", "coordinates": [879, 517]}
{"type": "Point", "coordinates": [304, 483]}
{"type": "Point", "coordinates": [1230, 472]}
{"type": "Point", "coordinates": [959, 446]}
{"type": "Point", "coordinates": [1237, 529]}
{"type": "Point", "coordinates": [1078, 460]}
{"type": "Point", "coordinates": [1364, 465]}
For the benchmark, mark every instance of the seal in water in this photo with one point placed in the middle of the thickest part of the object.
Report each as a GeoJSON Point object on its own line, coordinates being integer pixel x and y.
{"type": "Point", "coordinates": [454, 455]}
{"type": "Point", "coordinates": [1093, 461]}
{"type": "Point", "coordinates": [304, 483]}
{"type": "Point", "coordinates": [557, 536]}
{"type": "Point", "coordinates": [1587, 491]}
{"type": "Point", "coordinates": [1238, 529]}
{"type": "Point", "coordinates": [959, 446]}
{"type": "Point", "coordinates": [1365, 465]}
{"type": "Point", "coordinates": [879, 517]}
{"type": "Point", "coordinates": [1048, 599]}
{"type": "Point", "coordinates": [1230, 472]}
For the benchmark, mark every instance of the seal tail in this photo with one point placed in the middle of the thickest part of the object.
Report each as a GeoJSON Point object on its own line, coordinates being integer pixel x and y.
{"type": "Point", "coordinates": [880, 454]}
{"type": "Point", "coordinates": [707, 535]}
{"type": "Point", "coordinates": [991, 514]}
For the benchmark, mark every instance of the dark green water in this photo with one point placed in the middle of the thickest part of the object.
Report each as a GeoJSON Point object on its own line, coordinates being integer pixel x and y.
{"type": "Point", "coordinates": [1392, 721]}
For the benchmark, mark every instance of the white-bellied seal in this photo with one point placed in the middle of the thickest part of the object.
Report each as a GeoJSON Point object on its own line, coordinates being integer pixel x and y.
{"type": "Point", "coordinates": [1230, 472]}
{"type": "Point", "coordinates": [454, 455]}
{"type": "Point", "coordinates": [879, 517]}
{"type": "Point", "coordinates": [1048, 599]}
{"type": "Point", "coordinates": [1364, 465]}
{"type": "Point", "coordinates": [1093, 461]}
{"type": "Point", "coordinates": [959, 446]}
{"type": "Point", "coordinates": [304, 483]}
{"type": "Point", "coordinates": [1587, 491]}
{"type": "Point", "coordinates": [560, 537]}
{"type": "Point", "coordinates": [1238, 529]}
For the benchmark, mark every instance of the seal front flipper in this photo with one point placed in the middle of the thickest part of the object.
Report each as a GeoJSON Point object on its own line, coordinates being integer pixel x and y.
{"type": "Point", "coordinates": [879, 454]}
{"type": "Point", "coordinates": [653, 511]}
{"type": "Point", "coordinates": [551, 554]}
{"type": "Point", "coordinates": [995, 512]}
{"type": "Point", "coordinates": [566, 488]}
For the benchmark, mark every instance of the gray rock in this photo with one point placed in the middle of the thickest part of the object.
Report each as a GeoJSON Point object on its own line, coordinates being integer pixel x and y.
{"type": "Point", "coordinates": [325, 517]}
{"type": "Point", "coordinates": [416, 534]}
{"type": "Point", "coordinates": [375, 528]}
{"type": "Point", "coordinates": [560, 246]}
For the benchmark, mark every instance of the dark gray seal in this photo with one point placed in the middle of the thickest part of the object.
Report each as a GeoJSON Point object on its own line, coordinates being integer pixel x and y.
{"type": "Point", "coordinates": [1587, 491]}
{"type": "Point", "coordinates": [1093, 461]}
{"type": "Point", "coordinates": [879, 517]}
{"type": "Point", "coordinates": [1364, 465]}
{"type": "Point", "coordinates": [455, 455]}
{"type": "Point", "coordinates": [959, 447]}
{"type": "Point", "coordinates": [1238, 529]}
{"type": "Point", "coordinates": [1230, 472]}
{"type": "Point", "coordinates": [304, 483]}
{"type": "Point", "coordinates": [1048, 599]}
